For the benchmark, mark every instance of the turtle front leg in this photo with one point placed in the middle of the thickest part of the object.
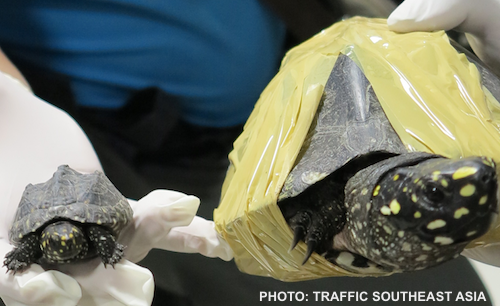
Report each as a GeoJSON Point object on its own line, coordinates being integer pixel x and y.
{"type": "Point", "coordinates": [316, 227]}
{"type": "Point", "coordinates": [105, 244]}
{"type": "Point", "coordinates": [21, 257]}
{"type": "Point", "coordinates": [316, 215]}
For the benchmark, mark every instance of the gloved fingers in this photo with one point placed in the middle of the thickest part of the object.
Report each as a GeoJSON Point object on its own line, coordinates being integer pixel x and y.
{"type": "Point", "coordinates": [198, 237]}
{"type": "Point", "coordinates": [124, 284]}
{"type": "Point", "coordinates": [154, 216]}
{"type": "Point", "coordinates": [175, 208]}
{"type": "Point", "coordinates": [427, 15]}
{"type": "Point", "coordinates": [489, 255]}
{"type": "Point", "coordinates": [36, 286]}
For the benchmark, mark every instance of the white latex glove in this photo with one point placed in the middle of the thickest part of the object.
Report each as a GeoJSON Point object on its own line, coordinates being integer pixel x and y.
{"type": "Point", "coordinates": [479, 19]}
{"type": "Point", "coordinates": [35, 138]}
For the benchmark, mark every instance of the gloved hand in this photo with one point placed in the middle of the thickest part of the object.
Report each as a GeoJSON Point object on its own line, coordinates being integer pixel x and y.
{"type": "Point", "coordinates": [479, 19]}
{"type": "Point", "coordinates": [35, 138]}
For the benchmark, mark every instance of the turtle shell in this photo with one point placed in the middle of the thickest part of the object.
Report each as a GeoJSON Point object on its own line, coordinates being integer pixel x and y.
{"type": "Point", "coordinates": [85, 198]}
{"type": "Point", "coordinates": [349, 123]}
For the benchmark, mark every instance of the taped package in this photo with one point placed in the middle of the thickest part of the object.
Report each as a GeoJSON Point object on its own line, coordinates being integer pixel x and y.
{"type": "Point", "coordinates": [437, 100]}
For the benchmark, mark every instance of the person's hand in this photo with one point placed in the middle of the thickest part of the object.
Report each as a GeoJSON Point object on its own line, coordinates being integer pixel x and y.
{"type": "Point", "coordinates": [35, 138]}
{"type": "Point", "coordinates": [479, 19]}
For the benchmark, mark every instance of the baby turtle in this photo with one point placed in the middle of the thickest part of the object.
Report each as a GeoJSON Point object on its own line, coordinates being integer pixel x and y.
{"type": "Point", "coordinates": [70, 217]}
{"type": "Point", "coordinates": [360, 199]}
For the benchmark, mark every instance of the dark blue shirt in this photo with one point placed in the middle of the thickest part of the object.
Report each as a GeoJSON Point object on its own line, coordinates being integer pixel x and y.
{"type": "Point", "coordinates": [215, 55]}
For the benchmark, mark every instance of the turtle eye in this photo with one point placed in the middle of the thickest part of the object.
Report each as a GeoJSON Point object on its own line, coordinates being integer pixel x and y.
{"type": "Point", "coordinates": [433, 192]}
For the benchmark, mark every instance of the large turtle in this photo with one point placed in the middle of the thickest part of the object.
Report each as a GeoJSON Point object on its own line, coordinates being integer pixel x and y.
{"type": "Point", "coordinates": [70, 217]}
{"type": "Point", "coordinates": [358, 197]}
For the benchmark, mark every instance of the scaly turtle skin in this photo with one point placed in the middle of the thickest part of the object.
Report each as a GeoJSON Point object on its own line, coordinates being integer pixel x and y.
{"type": "Point", "coordinates": [70, 217]}
{"type": "Point", "coordinates": [360, 199]}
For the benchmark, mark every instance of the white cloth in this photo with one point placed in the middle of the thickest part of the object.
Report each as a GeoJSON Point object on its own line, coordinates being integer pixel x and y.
{"type": "Point", "coordinates": [35, 138]}
{"type": "Point", "coordinates": [481, 20]}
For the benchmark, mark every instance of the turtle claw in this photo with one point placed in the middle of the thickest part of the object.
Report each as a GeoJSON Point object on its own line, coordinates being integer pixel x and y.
{"type": "Point", "coordinates": [315, 226]}
{"type": "Point", "coordinates": [311, 246]}
{"type": "Point", "coordinates": [298, 234]}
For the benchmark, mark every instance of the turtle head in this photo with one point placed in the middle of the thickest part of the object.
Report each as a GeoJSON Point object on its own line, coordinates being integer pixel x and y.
{"type": "Point", "coordinates": [426, 213]}
{"type": "Point", "coordinates": [62, 241]}
{"type": "Point", "coordinates": [444, 201]}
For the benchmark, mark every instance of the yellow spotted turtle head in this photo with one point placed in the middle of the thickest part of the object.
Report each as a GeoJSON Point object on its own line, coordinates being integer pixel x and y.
{"type": "Point", "coordinates": [63, 241]}
{"type": "Point", "coordinates": [423, 211]}
{"type": "Point", "coordinates": [443, 201]}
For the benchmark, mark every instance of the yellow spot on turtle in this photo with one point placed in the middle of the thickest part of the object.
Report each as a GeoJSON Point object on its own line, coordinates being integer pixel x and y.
{"type": "Point", "coordinates": [401, 234]}
{"type": "Point", "coordinates": [436, 224]}
{"type": "Point", "coordinates": [406, 247]}
{"type": "Point", "coordinates": [44, 243]}
{"type": "Point", "coordinates": [471, 233]}
{"type": "Point", "coordinates": [71, 235]}
{"type": "Point", "coordinates": [61, 250]}
{"type": "Point", "coordinates": [416, 180]}
{"type": "Point", "coordinates": [443, 240]}
{"type": "Point", "coordinates": [63, 238]}
{"type": "Point", "coordinates": [463, 172]}
{"type": "Point", "coordinates": [20, 236]}
{"type": "Point", "coordinates": [483, 200]}
{"type": "Point", "coordinates": [364, 191]}
{"type": "Point", "coordinates": [385, 210]}
{"type": "Point", "coordinates": [444, 183]}
{"type": "Point", "coordinates": [460, 212]}
{"type": "Point", "coordinates": [99, 222]}
{"type": "Point", "coordinates": [467, 190]}
{"type": "Point", "coordinates": [435, 175]}
{"type": "Point", "coordinates": [405, 189]}
{"type": "Point", "coordinates": [63, 243]}
{"type": "Point", "coordinates": [421, 257]}
{"type": "Point", "coordinates": [425, 247]}
{"type": "Point", "coordinates": [376, 190]}
{"type": "Point", "coordinates": [488, 162]}
{"type": "Point", "coordinates": [395, 206]}
{"type": "Point", "coordinates": [387, 229]}
{"type": "Point", "coordinates": [414, 198]}
{"type": "Point", "coordinates": [55, 252]}
{"type": "Point", "coordinates": [417, 215]}
{"type": "Point", "coordinates": [396, 177]}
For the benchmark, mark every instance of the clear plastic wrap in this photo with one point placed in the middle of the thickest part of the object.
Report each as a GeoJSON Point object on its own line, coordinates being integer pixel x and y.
{"type": "Point", "coordinates": [434, 97]}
